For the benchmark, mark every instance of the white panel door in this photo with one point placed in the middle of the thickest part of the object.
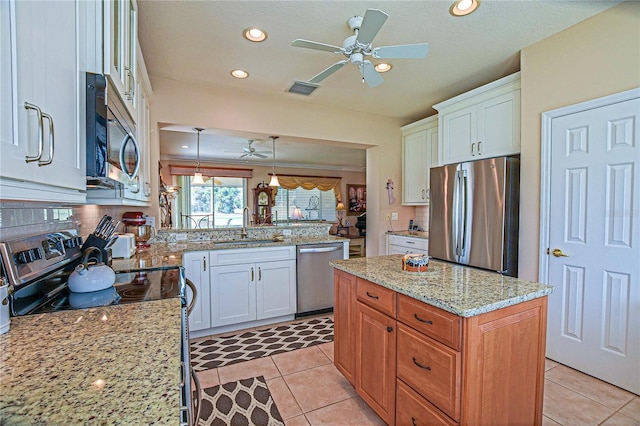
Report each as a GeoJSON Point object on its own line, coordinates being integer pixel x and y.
{"type": "Point", "coordinates": [276, 289]}
{"type": "Point", "coordinates": [233, 294]}
{"type": "Point", "coordinates": [594, 229]}
{"type": "Point", "coordinates": [196, 268]}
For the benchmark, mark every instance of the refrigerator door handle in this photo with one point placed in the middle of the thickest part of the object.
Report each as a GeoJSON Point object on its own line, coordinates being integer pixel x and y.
{"type": "Point", "coordinates": [464, 189]}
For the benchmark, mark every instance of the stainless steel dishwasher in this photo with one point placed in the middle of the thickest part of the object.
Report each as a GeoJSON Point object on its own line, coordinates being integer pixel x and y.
{"type": "Point", "coordinates": [315, 277]}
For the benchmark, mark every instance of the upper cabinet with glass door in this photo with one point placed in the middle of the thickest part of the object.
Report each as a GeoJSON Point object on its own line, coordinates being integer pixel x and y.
{"type": "Point", "coordinates": [120, 41]}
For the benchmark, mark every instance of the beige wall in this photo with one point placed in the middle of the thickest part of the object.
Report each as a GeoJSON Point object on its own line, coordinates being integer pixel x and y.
{"type": "Point", "coordinates": [178, 103]}
{"type": "Point", "coordinates": [595, 58]}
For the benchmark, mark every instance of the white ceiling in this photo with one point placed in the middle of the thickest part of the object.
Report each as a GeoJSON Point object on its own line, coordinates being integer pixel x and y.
{"type": "Point", "coordinates": [200, 42]}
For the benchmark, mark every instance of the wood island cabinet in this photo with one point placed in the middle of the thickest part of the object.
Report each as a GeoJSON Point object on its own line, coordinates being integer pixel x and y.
{"type": "Point", "coordinates": [416, 364]}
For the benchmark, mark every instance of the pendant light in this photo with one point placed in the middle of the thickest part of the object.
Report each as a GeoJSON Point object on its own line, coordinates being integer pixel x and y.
{"type": "Point", "coordinates": [197, 176]}
{"type": "Point", "coordinates": [274, 179]}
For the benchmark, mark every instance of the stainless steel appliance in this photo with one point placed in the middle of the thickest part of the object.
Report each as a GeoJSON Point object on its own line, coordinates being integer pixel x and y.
{"type": "Point", "coordinates": [315, 277]}
{"type": "Point", "coordinates": [113, 155]}
{"type": "Point", "coordinates": [474, 213]}
{"type": "Point", "coordinates": [37, 269]}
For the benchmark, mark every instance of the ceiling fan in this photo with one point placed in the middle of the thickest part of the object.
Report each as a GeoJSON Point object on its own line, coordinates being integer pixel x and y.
{"type": "Point", "coordinates": [250, 151]}
{"type": "Point", "coordinates": [358, 46]}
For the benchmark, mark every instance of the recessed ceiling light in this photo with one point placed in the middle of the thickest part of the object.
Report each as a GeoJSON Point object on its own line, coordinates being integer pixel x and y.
{"type": "Point", "coordinates": [383, 67]}
{"type": "Point", "coordinates": [239, 74]}
{"type": "Point", "coordinates": [254, 34]}
{"type": "Point", "coordinates": [184, 146]}
{"type": "Point", "coordinates": [464, 7]}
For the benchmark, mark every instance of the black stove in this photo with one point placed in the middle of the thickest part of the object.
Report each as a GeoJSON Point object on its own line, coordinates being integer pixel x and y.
{"type": "Point", "coordinates": [38, 267]}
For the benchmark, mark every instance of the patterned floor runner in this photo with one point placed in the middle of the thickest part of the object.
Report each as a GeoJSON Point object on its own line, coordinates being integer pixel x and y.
{"type": "Point", "coordinates": [225, 350]}
{"type": "Point", "coordinates": [245, 402]}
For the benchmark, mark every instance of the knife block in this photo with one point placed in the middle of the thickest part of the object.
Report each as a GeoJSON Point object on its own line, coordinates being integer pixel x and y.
{"type": "Point", "coordinates": [93, 241]}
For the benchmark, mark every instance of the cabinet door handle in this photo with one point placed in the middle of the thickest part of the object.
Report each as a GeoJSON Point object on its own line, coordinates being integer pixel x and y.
{"type": "Point", "coordinates": [479, 151]}
{"type": "Point", "coordinates": [37, 109]}
{"type": "Point", "coordinates": [51, 141]}
{"type": "Point", "coordinates": [259, 273]}
{"type": "Point", "coordinates": [422, 320]}
{"type": "Point", "coordinates": [251, 274]}
{"type": "Point", "coordinates": [389, 329]}
{"type": "Point", "coordinates": [472, 145]}
{"type": "Point", "coordinates": [424, 367]}
{"type": "Point", "coordinates": [204, 263]}
{"type": "Point", "coordinates": [424, 193]}
{"type": "Point", "coordinates": [372, 296]}
{"type": "Point", "coordinates": [413, 422]}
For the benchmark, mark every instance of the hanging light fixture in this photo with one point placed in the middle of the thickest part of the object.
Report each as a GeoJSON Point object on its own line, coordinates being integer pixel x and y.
{"type": "Point", "coordinates": [274, 179]}
{"type": "Point", "coordinates": [197, 176]}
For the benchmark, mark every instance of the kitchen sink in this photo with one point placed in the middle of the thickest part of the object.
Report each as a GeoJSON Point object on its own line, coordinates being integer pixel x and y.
{"type": "Point", "coordinates": [241, 242]}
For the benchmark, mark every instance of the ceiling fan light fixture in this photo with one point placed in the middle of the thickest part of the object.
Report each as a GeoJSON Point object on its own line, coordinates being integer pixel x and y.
{"type": "Point", "coordinates": [383, 67]}
{"type": "Point", "coordinates": [254, 34]}
{"type": "Point", "coordinates": [238, 73]}
{"type": "Point", "coordinates": [464, 7]}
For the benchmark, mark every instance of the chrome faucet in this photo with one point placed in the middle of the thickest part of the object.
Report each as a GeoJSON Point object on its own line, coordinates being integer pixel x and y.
{"type": "Point", "coordinates": [245, 222]}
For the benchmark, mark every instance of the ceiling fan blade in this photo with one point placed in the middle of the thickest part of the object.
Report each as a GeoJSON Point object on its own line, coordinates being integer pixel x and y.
{"type": "Point", "coordinates": [326, 73]}
{"type": "Point", "coordinates": [243, 155]}
{"type": "Point", "coordinates": [259, 155]}
{"type": "Point", "coordinates": [370, 75]}
{"type": "Point", "coordinates": [247, 149]}
{"type": "Point", "coordinates": [405, 51]}
{"type": "Point", "coordinates": [307, 44]}
{"type": "Point", "coordinates": [371, 24]}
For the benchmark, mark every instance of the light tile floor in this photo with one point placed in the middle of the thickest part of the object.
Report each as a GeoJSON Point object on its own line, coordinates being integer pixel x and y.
{"type": "Point", "coordinates": [309, 390]}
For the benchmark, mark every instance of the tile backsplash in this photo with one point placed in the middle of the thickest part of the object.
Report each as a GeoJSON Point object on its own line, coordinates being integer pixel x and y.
{"type": "Point", "coordinates": [18, 219]}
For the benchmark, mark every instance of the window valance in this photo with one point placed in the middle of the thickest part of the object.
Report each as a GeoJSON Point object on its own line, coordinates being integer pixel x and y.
{"type": "Point", "coordinates": [186, 170]}
{"type": "Point", "coordinates": [323, 183]}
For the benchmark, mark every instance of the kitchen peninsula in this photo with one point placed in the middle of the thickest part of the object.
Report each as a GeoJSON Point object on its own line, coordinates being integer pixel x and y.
{"type": "Point", "coordinates": [454, 345]}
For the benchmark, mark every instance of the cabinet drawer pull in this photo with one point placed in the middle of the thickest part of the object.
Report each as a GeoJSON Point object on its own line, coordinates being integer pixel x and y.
{"type": "Point", "coordinates": [51, 141]}
{"type": "Point", "coordinates": [422, 320]}
{"type": "Point", "coordinates": [420, 365]}
{"type": "Point", "coordinates": [372, 296]}
{"type": "Point", "coordinates": [38, 111]}
{"type": "Point", "coordinates": [413, 421]}
{"type": "Point", "coordinates": [389, 329]}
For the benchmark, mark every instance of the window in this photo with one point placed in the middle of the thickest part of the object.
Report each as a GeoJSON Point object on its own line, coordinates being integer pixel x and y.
{"type": "Point", "coordinates": [217, 203]}
{"type": "Point", "coordinates": [313, 203]}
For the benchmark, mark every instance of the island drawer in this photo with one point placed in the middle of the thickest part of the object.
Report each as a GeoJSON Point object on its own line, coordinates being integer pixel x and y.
{"type": "Point", "coordinates": [441, 325]}
{"type": "Point", "coordinates": [431, 368]}
{"type": "Point", "coordinates": [378, 297]}
{"type": "Point", "coordinates": [412, 409]}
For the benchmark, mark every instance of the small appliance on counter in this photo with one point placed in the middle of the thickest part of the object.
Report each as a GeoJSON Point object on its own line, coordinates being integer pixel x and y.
{"type": "Point", "coordinates": [124, 246]}
{"type": "Point", "coordinates": [135, 223]}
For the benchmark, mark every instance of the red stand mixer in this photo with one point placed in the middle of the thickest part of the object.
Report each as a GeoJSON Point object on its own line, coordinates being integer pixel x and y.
{"type": "Point", "coordinates": [135, 223]}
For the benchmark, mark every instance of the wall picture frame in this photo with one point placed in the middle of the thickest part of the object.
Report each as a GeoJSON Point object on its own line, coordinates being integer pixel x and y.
{"type": "Point", "coordinates": [356, 198]}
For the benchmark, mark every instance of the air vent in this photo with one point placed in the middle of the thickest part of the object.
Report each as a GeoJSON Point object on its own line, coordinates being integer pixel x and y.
{"type": "Point", "coordinates": [303, 88]}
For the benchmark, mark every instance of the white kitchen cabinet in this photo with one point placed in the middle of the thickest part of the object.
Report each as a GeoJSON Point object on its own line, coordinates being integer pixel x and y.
{"type": "Point", "coordinates": [482, 123]}
{"type": "Point", "coordinates": [401, 244]}
{"type": "Point", "coordinates": [419, 154]}
{"type": "Point", "coordinates": [143, 127]}
{"type": "Point", "coordinates": [42, 154]}
{"type": "Point", "coordinates": [196, 268]}
{"type": "Point", "coordinates": [252, 284]}
{"type": "Point", "coordinates": [120, 42]}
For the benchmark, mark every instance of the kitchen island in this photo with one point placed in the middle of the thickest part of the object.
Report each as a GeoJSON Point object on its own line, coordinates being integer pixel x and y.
{"type": "Point", "coordinates": [108, 365]}
{"type": "Point", "coordinates": [454, 345]}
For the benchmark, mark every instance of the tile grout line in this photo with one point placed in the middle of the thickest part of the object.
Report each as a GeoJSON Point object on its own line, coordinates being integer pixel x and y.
{"type": "Point", "coordinates": [591, 399]}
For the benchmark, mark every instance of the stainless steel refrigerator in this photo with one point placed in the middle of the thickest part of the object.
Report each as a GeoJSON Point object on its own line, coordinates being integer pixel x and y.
{"type": "Point", "coordinates": [473, 216]}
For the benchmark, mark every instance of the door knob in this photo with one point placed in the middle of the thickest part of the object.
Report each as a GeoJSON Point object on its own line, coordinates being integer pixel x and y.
{"type": "Point", "coordinates": [559, 253]}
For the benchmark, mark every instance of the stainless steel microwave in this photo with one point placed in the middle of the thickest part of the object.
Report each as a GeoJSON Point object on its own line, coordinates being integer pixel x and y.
{"type": "Point", "coordinates": [113, 155]}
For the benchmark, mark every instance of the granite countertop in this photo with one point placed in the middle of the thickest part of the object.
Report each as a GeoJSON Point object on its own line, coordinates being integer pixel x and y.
{"type": "Point", "coordinates": [166, 255]}
{"type": "Point", "coordinates": [413, 234]}
{"type": "Point", "coordinates": [109, 365]}
{"type": "Point", "coordinates": [458, 289]}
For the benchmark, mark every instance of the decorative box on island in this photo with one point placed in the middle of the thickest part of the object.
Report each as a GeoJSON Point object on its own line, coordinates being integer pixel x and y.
{"type": "Point", "coordinates": [415, 263]}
